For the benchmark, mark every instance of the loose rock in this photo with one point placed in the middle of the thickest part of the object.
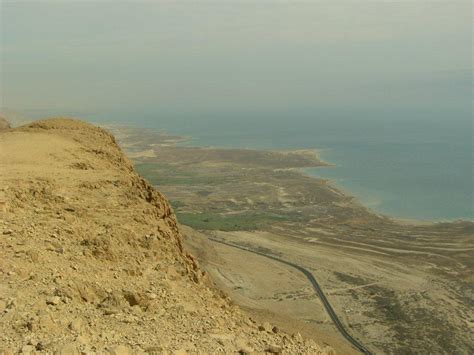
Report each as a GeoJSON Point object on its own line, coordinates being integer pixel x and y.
{"type": "Point", "coordinates": [54, 301]}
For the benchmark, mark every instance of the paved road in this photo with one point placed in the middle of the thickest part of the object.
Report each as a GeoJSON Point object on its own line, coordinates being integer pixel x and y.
{"type": "Point", "coordinates": [340, 327]}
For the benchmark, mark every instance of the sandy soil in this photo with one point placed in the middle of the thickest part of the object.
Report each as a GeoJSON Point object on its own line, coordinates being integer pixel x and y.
{"type": "Point", "coordinates": [269, 290]}
{"type": "Point", "coordinates": [91, 258]}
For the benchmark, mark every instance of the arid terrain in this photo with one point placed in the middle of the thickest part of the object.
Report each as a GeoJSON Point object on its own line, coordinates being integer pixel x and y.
{"type": "Point", "coordinates": [398, 287]}
{"type": "Point", "coordinates": [92, 259]}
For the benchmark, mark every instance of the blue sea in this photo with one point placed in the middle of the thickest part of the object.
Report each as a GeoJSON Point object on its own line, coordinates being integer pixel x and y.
{"type": "Point", "coordinates": [411, 168]}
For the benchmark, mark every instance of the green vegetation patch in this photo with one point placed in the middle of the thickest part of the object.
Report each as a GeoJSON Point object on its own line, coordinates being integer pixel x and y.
{"type": "Point", "coordinates": [146, 169]}
{"type": "Point", "coordinates": [177, 204]}
{"type": "Point", "coordinates": [168, 174]}
{"type": "Point", "coordinates": [234, 222]}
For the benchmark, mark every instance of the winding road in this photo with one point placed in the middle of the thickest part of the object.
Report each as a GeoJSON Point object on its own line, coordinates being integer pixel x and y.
{"type": "Point", "coordinates": [340, 327]}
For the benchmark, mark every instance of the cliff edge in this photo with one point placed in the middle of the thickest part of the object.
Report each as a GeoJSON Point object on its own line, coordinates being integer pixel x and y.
{"type": "Point", "coordinates": [91, 257]}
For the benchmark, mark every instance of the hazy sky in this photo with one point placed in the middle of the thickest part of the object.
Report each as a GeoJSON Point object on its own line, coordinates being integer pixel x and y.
{"type": "Point", "coordinates": [220, 57]}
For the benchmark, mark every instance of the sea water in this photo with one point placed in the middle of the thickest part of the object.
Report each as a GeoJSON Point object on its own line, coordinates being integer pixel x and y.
{"type": "Point", "coordinates": [406, 168]}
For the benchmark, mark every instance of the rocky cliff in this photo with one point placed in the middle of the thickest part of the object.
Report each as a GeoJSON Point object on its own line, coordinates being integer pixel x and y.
{"type": "Point", "coordinates": [91, 258]}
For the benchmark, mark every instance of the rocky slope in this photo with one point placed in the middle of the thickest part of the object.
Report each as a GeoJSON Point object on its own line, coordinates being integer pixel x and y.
{"type": "Point", "coordinates": [91, 257]}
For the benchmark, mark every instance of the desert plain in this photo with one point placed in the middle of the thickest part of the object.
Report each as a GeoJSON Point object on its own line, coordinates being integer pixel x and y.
{"type": "Point", "coordinates": [398, 287]}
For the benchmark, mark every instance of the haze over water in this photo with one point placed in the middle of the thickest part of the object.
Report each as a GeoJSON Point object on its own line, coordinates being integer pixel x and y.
{"type": "Point", "coordinates": [384, 87]}
{"type": "Point", "coordinates": [413, 169]}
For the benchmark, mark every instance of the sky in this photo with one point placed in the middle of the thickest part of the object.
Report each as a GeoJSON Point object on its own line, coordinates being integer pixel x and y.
{"type": "Point", "coordinates": [231, 58]}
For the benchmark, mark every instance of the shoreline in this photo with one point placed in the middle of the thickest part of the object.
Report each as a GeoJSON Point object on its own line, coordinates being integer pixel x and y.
{"type": "Point", "coordinates": [188, 141]}
{"type": "Point", "coordinates": [358, 200]}
{"type": "Point", "coordinates": [266, 201]}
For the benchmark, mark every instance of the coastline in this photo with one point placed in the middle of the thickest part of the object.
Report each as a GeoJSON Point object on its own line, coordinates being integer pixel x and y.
{"type": "Point", "coordinates": [357, 199]}
{"type": "Point", "coordinates": [365, 260]}
{"type": "Point", "coordinates": [190, 142]}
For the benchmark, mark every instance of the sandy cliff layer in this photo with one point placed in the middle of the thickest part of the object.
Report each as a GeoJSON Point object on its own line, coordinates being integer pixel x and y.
{"type": "Point", "coordinates": [91, 257]}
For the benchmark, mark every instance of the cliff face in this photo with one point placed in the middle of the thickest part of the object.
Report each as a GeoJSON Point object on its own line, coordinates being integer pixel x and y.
{"type": "Point", "coordinates": [91, 257]}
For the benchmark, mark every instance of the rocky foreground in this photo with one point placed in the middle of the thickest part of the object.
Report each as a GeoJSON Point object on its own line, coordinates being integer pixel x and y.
{"type": "Point", "coordinates": [91, 257]}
